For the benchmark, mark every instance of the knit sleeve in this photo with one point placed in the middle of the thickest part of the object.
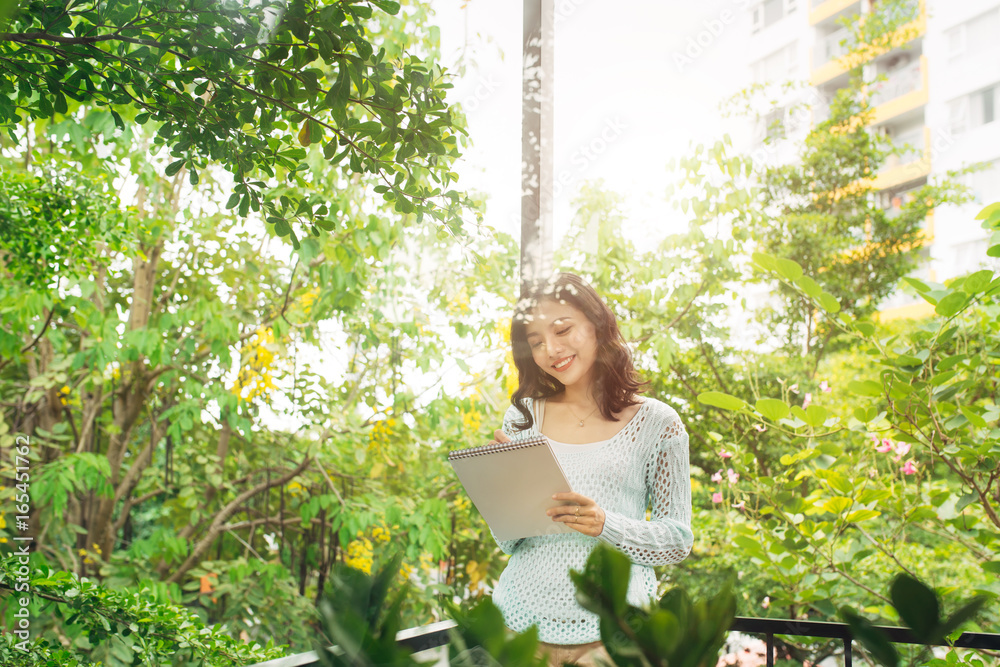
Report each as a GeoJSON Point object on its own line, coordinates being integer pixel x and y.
{"type": "Point", "coordinates": [665, 538]}
{"type": "Point", "coordinates": [512, 415]}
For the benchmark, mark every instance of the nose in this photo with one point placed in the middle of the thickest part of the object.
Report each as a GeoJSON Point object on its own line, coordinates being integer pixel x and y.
{"type": "Point", "coordinates": [554, 347]}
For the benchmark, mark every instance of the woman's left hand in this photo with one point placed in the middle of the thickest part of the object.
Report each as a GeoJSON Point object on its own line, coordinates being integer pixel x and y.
{"type": "Point", "coordinates": [585, 516]}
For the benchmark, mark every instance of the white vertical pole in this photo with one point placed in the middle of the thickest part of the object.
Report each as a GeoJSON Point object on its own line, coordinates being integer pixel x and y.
{"type": "Point", "coordinates": [536, 139]}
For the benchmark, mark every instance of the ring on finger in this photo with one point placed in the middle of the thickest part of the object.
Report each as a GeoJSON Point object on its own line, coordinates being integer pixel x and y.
{"type": "Point", "coordinates": [578, 510]}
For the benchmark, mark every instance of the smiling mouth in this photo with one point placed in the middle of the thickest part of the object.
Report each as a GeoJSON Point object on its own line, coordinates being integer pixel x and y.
{"type": "Point", "coordinates": [563, 363]}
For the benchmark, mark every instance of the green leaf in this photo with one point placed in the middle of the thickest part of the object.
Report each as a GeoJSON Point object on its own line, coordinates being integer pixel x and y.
{"type": "Point", "coordinates": [387, 6]}
{"type": "Point", "coordinates": [961, 615]}
{"type": "Point", "coordinates": [858, 516]}
{"type": "Point", "coordinates": [988, 211]}
{"type": "Point", "coordinates": [602, 586]}
{"type": "Point", "coordinates": [918, 285]}
{"type": "Point", "coordinates": [772, 408]}
{"type": "Point", "coordinates": [865, 388]}
{"type": "Point", "coordinates": [813, 416]}
{"type": "Point", "coordinates": [916, 604]}
{"type": "Point", "coordinates": [993, 566]}
{"type": "Point", "coordinates": [717, 399]}
{"type": "Point", "coordinates": [865, 328]}
{"type": "Point", "coordinates": [829, 303]}
{"type": "Point", "coordinates": [789, 269]}
{"type": "Point", "coordinates": [809, 286]}
{"type": "Point", "coordinates": [973, 417]}
{"type": "Point", "coordinates": [978, 281]}
{"type": "Point", "coordinates": [838, 504]}
{"type": "Point", "coordinates": [876, 643]}
{"type": "Point", "coordinates": [765, 261]}
{"type": "Point", "coordinates": [174, 167]}
{"type": "Point", "coordinates": [951, 304]}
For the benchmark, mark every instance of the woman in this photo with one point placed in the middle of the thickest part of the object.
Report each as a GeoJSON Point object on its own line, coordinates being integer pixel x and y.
{"type": "Point", "coordinates": [620, 451]}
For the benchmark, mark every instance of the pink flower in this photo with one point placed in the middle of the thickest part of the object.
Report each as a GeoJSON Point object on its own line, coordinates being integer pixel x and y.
{"type": "Point", "coordinates": [824, 387]}
{"type": "Point", "coordinates": [725, 454]}
{"type": "Point", "coordinates": [885, 447]}
{"type": "Point", "coordinates": [910, 468]}
{"type": "Point", "coordinates": [740, 505]}
{"type": "Point", "coordinates": [760, 427]}
{"type": "Point", "coordinates": [717, 477]}
{"type": "Point", "coordinates": [807, 400]}
{"type": "Point", "coordinates": [716, 497]}
{"type": "Point", "coordinates": [794, 388]}
{"type": "Point", "coordinates": [902, 449]}
{"type": "Point", "coordinates": [733, 476]}
{"type": "Point", "coordinates": [767, 602]}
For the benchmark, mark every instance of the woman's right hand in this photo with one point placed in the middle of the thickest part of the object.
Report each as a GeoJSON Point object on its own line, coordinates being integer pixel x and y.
{"type": "Point", "coordinates": [498, 437]}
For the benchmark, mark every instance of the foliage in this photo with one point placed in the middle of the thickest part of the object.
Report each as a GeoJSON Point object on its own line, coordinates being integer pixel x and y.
{"type": "Point", "coordinates": [840, 511]}
{"type": "Point", "coordinates": [149, 363]}
{"type": "Point", "coordinates": [249, 88]}
{"type": "Point", "coordinates": [112, 627]}
{"type": "Point", "coordinates": [52, 224]}
{"type": "Point", "coordinates": [360, 618]}
{"type": "Point", "coordinates": [821, 210]}
{"type": "Point", "coordinates": [676, 632]}
{"type": "Point", "coordinates": [920, 609]}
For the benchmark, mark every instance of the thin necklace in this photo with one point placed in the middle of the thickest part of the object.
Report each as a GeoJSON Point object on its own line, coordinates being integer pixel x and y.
{"type": "Point", "coordinates": [580, 421]}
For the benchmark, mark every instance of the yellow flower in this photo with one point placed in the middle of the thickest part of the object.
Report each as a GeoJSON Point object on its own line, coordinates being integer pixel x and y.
{"type": "Point", "coordinates": [3, 522]}
{"type": "Point", "coordinates": [504, 326]}
{"type": "Point", "coordinates": [63, 393]}
{"type": "Point", "coordinates": [510, 375]}
{"type": "Point", "coordinates": [359, 555]}
{"type": "Point", "coordinates": [257, 357]}
{"type": "Point", "coordinates": [405, 570]}
{"type": "Point", "coordinates": [472, 419]}
{"type": "Point", "coordinates": [380, 534]}
{"type": "Point", "coordinates": [477, 575]}
{"type": "Point", "coordinates": [308, 299]}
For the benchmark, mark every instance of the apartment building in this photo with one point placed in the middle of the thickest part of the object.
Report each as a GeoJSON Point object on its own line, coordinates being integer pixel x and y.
{"type": "Point", "coordinates": [940, 97]}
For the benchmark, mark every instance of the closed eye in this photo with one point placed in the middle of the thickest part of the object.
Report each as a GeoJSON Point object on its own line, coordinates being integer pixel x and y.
{"type": "Point", "coordinates": [564, 331]}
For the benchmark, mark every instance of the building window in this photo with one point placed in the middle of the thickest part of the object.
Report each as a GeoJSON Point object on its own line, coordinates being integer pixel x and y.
{"type": "Point", "coordinates": [769, 12]}
{"type": "Point", "coordinates": [974, 110]}
{"type": "Point", "coordinates": [974, 37]}
{"type": "Point", "coordinates": [776, 67]}
{"type": "Point", "coordinates": [984, 185]}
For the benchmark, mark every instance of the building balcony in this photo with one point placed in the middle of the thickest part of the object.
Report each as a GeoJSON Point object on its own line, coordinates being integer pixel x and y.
{"type": "Point", "coordinates": [821, 10]}
{"type": "Point", "coordinates": [905, 89]}
{"type": "Point", "coordinates": [911, 164]}
{"type": "Point", "coordinates": [830, 59]}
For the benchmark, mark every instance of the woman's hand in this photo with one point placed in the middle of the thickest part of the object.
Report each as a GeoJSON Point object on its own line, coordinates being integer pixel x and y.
{"type": "Point", "coordinates": [498, 437]}
{"type": "Point", "coordinates": [584, 517]}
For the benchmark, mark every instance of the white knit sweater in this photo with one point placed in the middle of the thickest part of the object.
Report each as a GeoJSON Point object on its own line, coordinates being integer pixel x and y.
{"type": "Point", "coordinates": [647, 461]}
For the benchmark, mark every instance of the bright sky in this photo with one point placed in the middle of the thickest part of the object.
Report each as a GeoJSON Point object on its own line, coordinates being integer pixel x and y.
{"type": "Point", "coordinates": [625, 103]}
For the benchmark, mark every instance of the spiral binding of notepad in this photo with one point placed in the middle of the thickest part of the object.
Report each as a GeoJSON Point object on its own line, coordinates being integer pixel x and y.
{"type": "Point", "coordinates": [533, 441]}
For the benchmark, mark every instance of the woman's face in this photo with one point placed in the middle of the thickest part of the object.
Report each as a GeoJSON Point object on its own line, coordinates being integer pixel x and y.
{"type": "Point", "coordinates": [563, 342]}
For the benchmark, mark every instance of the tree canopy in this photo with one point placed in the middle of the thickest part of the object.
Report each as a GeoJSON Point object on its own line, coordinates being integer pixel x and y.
{"type": "Point", "coordinates": [247, 86]}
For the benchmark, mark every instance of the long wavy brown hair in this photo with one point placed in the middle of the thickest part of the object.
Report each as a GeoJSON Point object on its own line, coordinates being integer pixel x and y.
{"type": "Point", "coordinates": [616, 381]}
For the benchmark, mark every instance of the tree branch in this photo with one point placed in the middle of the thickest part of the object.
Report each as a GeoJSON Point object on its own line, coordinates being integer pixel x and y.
{"type": "Point", "coordinates": [218, 523]}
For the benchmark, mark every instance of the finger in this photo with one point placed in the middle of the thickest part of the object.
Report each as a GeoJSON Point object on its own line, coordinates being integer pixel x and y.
{"type": "Point", "coordinates": [501, 436]}
{"type": "Point", "coordinates": [574, 497]}
{"type": "Point", "coordinates": [566, 509]}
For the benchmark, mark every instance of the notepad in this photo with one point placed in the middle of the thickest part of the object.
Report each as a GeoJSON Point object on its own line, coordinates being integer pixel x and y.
{"type": "Point", "coordinates": [511, 484]}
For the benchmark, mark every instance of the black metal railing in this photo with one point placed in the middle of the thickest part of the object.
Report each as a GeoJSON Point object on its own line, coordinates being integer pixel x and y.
{"type": "Point", "coordinates": [437, 634]}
